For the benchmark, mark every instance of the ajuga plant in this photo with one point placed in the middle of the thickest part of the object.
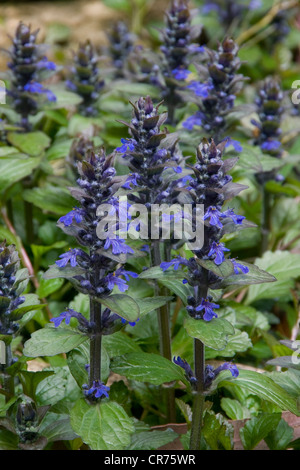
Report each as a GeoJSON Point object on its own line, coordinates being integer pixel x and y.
{"type": "Point", "coordinates": [209, 268]}
{"type": "Point", "coordinates": [26, 65]}
{"type": "Point", "coordinates": [153, 157]}
{"type": "Point", "coordinates": [85, 78]}
{"type": "Point", "coordinates": [95, 268]}
{"type": "Point", "coordinates": [23, 424]}
{"type": "Point", "coordinates": [215, 93]}
{"type": "Point", "coordinates": [269, 106]}
{"type": "Point", "coordinates": [120, 45]}
{"type": "Point", "coordinates": [178, 50]}
{"type": "Point", "coordinates": [13, 281]}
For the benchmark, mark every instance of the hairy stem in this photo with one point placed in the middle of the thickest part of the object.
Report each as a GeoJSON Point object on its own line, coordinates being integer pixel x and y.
{"type": "Point", "coordinates": [199, 360]}
{"type": "Point", "coordinates": [95, 342]}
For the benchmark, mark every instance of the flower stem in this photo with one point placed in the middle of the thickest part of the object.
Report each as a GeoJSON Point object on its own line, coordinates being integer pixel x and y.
{"type": "Point", "coordinates": [9, 382]}
{"type": "Point", "coordinates": [198, 406]}
{"type": "Point", "coordinates": [95, 342]}
{"type": "Point", "coordinates": [163, 316]}
{"type": "Point", "coordinates": [199, 360]}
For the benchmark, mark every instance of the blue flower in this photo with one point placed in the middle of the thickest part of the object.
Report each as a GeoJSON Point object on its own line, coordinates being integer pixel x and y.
{"type": "Point", "coordinates": [145, 248]}
{"type": "Point", "coordinates": [180, 73]}
{"type": "Point", "coordinates": [211, 373]}
{"type": "Point", "coordinates": [66, 316]}
{"type": "Point", "coordinates": [35, 87]}
{"type": "Point", "coordinates": [237, 219]}
{"type": "Point", "coordinates": [131, 323]}
{"type": "Point", "coordinates": [118, 246]}
{"type": "Point", "coordinates": [271, 145]}
{"type": "Point", "coordinates": [177, 169]}
{"type": "Point", "coordinates": [176, 262]}
{"type": "Point", "coordinates": [200, 89]}
{"type": "Point", "coordinates": [126, 274]}
{"type": "Point", "coordinates": [235, 143]}
{"type": "Point", "coordinates": [132, 179]}
{"type": "Point", "coordinates": [44, 63]}
{"type": "Point", "coordinates": [97, 390]}
{"type": "Point", "coordinates": [128, 144]}
{"type": "Point", "coordinates": [193, 48]}
{"type": "Point", "coordinates": [74, 214]}
{"type": "Point", "coordinates": [239, 267]}
{"type": "Point", "coordinates": [113, 279]}
{"type": "Point", "coordinates": [69, 257]}
{"type": "Point", "coordinates": [228, 366]}
{"type": "Point", "coordinates": [195, 120]}
{"type": "Point", "coordinates": [217, 251]}
{"type": "Point", "coordinates": [186, 367]}
{"type": "Point", "coordinates": [208, 307]}
{"type": "Point", "coordinates": [71, 85]}
{"type": "Point", "coordinates": [214, 216]}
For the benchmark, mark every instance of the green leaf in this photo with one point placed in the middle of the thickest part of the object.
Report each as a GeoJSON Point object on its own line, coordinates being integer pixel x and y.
{"type": "Point", "coordinates": [64, 99]}
{"type": "Point", "coordinates": [40, 250]}
{"type": "Point", "coordinates": [253, 159]}
{"type": "Point", "coordinates": [15, 168]}
{"type": "Point", "coordinates": [132, 90]}
{"type": "Point", "coordinates": [217, 431]}
{"type": "Point", "coordinates": [32, 303]}
{"type": "Point", "coordinates": [279, 438]}
{"type": "Point", "coordinates": [8, 440]}
{"type": "Point", "coordinates": [123, 305]}
{"type": "Point", "coordinates": [185, 410]}
{"type": "Point", "coordinates": [285, 266]}
{"type": "Point", "coordinates": [234, 409]}
{"type": "Point", "coordinates": [264, 387]}
{"type": "Point", "coordinates": [103, 426]}
{"type": "Point", "coordinates": [147, 367]}
{"type": "Point", "coordinates": [151, 440]}
{"type": "Point", "coordinates": [58, 387]}
{"type": "Point", "coordinates": [59, 150]}
{"type": "Point", "coordinates": [50, 341]}
{"type": "Point", "coordinates": [30, 380]}
{"type": "Point", "coordinates": [149, 304]}
{"type": "Point", "coordinates": [77, 360]}
{"type": "Point", "coordinates": [238, 342]}
{"type": "Point", "coordinates": [180, 289]}
{"type": "Point", "coordinates": [119, 344]}
{"type": "Point", "coordinates": [257, 428]}
{"type": "Point", "coordinates": [213, 333]}
{"type": "Point", "coordinates": [170, 279]}
{"type": "Point", "coordinates": [289, 380]}
{"type": "Point", "coordinates": [157, 273]}
{"type": "Point", "coordinates": [254, 276]}
{"type": "Point", "coordinates": [223, 270]}
{"type": "Point", "coordinates": [67, 272]}
{"type": "Point", "coordinates": [50, 198]}
{"type": "Point", "coordinates": [59, 430]}
{"type": "Point", "coordinates": [31, 143]}
{"type": "Point", "coordinates": [49, 286]}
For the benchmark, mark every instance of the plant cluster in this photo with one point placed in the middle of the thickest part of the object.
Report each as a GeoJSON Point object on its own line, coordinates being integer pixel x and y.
{"type": "Point", "coordinates": [149, 233]}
